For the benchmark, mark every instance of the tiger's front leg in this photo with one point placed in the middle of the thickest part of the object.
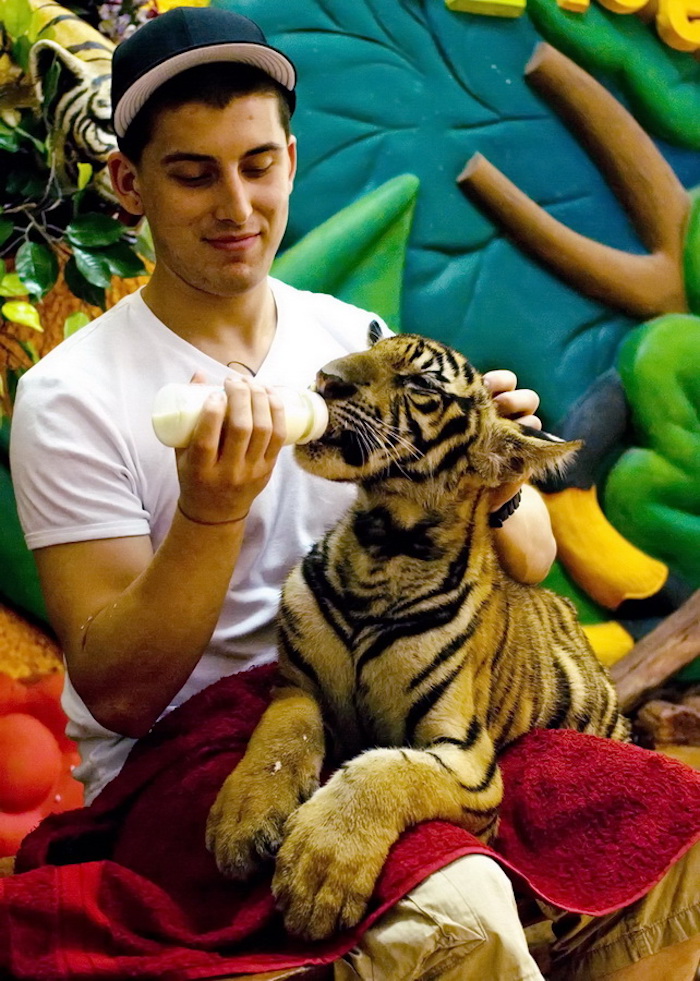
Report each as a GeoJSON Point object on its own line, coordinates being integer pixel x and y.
{"type": "Point", "coordinates": [337, 842]}
{"type": "Point", "coordinates": [279, 771]}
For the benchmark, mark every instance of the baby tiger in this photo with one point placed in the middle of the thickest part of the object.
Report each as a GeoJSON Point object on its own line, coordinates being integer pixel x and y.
{"type": "Point", "coordinates": [407, 653]}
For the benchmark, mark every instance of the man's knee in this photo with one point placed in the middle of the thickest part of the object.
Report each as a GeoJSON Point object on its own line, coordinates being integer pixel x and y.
{"type": "Point", "coordinates": [460, 922]}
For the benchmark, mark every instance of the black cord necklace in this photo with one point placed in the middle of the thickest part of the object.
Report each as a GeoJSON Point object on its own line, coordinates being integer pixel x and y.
{"type": "Point", "coordinates": [247, 368]}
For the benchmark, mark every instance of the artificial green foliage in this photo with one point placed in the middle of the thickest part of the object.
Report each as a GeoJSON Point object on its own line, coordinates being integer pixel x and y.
{"type": "Point", "coordinates": [358, 255]}
{"type": "Point", "coordinates": [652, 494]}
{"type": "Point", "coordinates": [19, 582]}
{"type": "Point", "coordinates": [661, 84]}
{"type": "Point", "coordinates": [40, 220]}
{"type": "Point", "coordinates": [37, 267]}
{"type": "Point", "coordinates": [691, 254]}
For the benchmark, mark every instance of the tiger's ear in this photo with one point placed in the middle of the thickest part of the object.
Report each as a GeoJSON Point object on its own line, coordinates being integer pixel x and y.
{"type": "Point", "coordinates": [511, 452]}
{"type": "Point", "coordinates": [71, 72]}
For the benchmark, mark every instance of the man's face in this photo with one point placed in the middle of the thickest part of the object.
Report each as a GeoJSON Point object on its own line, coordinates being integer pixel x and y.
{"type": "Point", "coordinates": [214, 185]}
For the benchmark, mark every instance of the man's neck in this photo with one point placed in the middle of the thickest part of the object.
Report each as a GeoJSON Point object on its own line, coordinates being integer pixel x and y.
{"type": "Point", "coordinates": [229, 329]}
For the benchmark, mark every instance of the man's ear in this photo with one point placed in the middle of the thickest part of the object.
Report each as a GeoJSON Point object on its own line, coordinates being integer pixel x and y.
{"type": "Point", "coordinates": [292, 155]}
{"type": "Point", "coordinates": [124, 177]}
{"type": "Point", "coordinates": [511, 452]}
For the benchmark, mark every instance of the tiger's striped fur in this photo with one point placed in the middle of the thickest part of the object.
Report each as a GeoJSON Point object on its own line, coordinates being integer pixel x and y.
{"type": "Point", "coordinates": [402, 637]}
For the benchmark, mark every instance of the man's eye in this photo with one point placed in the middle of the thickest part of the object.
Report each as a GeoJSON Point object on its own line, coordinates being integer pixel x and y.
{"type": "Point", "coordinates": [191, 180]}
{"type": "Point", "coordinates": [258, 170]}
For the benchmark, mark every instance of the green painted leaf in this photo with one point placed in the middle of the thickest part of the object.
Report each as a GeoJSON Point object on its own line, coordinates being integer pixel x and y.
{"type": "Point", "coordinates": [652, 495]}
{"type": "Point", "coordinates": [359, 253]}
{"type": "Point", "coordinates": [7, 227]}
{"type": "Point", "coordinates": [21, 312]}
{"type": "Point", "coordinates": [74, 322]}
{"type": "Point", "coordinates": [661, 84]}
{"type": "Point", "coordinates": [93, 266]}
{"type": "Point", "coordinates": [691, 254]}
{"type": "Point", "coordinates": [82, 287]}
{"type": "Point", "coordinates": [37, 267]}
{"type": "Point", "coordinates": [123, 261]}
{"type": "Point", "coordinates": [12, 285]}
{"type": "Point", "coordinates": [93, 230]}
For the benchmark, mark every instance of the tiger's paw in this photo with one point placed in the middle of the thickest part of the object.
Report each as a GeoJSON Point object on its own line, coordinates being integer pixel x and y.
{"type": "Point", "coordinates": [325, 872]}
{"type": "Point", "coordinates": [246, 822]}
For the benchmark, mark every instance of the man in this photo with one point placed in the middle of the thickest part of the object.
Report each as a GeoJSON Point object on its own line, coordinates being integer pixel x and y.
{"type": "Point", "coordinates": [125, 535]}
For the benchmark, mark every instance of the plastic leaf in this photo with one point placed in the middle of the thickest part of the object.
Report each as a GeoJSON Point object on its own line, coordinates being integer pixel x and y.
{"type": "Point", "coordinates": [12, 285]}
{"type": "Point", "coordinates": [93, 266]}
{"type": "Point", "coordinates": [82, 287]}
{"type": "Point", "coordinates": [84, 175]}
{"type": "Point", "coordinates": [358, 254]}
{"type": "Point", "coordinates": [93, 230]}
{"type": "Point", "coordinates": [122, 260]}
{"type": "Point", "coordinates": [74, 322]}
{"type": "Point", "coordinates": [37, 267]}
{"type": "Point", "coordinates": [21, 312]}
{"type": "Point", "coordinates": [16, 17]}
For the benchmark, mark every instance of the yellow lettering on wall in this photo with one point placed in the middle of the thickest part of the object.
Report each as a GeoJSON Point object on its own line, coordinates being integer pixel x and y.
{"type": "Point", "coordinates": [623, 6]}
{"type": "Point", "coordinates": [677, 21]}
{"type": "Point", "coordinates": [575, 6]}
{"type": "Point", "coordinates": [677, 25]}
{"type": "Point", "coordinates": [491, 8]}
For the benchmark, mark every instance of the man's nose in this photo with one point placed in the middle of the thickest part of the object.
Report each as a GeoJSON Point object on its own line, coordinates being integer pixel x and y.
{"type": "Point", "coordinates": [233, 203]}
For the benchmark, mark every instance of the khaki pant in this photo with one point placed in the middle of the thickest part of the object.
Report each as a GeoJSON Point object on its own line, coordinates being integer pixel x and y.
{"type": "Point", "coordinates": [461, 924]}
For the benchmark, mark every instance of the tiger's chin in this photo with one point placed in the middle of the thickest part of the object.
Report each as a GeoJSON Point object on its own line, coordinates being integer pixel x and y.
{"type": "Point", "coordinates": [339, 456]}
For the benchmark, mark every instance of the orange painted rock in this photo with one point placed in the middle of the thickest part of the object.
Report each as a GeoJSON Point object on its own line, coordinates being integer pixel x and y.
{"type": "Point", "coordinates": [36, 757]}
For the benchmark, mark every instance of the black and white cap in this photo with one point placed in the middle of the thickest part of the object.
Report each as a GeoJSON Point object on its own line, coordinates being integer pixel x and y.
{"type": "Point", "coordinates": [180, 39]}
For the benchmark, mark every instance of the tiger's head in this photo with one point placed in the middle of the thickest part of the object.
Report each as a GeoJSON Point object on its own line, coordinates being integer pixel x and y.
{"type": "Point", "coordinates": [78, 112]}
{"type": "Point", "coordinates": [411, 408]}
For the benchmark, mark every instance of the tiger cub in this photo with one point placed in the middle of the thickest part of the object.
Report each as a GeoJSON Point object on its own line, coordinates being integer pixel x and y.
{"type": "Point", "coordinates": [404, 646]}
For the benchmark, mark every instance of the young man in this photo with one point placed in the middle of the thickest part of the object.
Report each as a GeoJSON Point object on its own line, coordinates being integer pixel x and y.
{"type": "Point", "coordinates": [161, 572]}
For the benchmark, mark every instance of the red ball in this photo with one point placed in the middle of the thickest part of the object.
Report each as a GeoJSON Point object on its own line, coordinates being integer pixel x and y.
{"type": "Point", "coordinates": [30, 762]}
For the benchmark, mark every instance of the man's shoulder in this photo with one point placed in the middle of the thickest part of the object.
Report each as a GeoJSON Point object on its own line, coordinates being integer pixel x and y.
{"type": "Point", "coordinates": [75, 351]}
{"type": "Point", "coordinates": [338, 317]}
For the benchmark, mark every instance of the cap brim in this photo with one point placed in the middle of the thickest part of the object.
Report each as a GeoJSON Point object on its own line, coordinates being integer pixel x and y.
{"type": "Point", "coordinates": [267, 59]}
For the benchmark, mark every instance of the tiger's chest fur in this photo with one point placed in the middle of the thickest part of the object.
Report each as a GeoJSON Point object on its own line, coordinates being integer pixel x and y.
{"type": "Point", "coordinates": [395, 624]}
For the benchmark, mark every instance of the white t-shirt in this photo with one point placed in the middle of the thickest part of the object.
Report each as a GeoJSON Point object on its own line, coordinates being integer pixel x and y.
{"type": "Point", "coordinates": [87, 465]}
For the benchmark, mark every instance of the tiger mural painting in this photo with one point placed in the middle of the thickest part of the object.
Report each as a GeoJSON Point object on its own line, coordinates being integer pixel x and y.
{"type": "Point", "coordinates": [77, 109]}
{"type": "Point", "coordinates": [407, 654]}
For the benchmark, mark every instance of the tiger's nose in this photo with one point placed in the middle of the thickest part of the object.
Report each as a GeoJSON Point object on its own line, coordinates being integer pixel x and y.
{"type": "Point", "coordinates": [333, 386]}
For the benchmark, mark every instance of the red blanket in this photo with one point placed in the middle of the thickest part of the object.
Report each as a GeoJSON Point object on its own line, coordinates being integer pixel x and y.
{"type": "Point", "coordinates": [125, 888]}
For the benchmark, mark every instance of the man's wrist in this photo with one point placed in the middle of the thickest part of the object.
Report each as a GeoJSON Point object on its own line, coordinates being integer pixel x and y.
{"type": "Point", "coordinates": [497, 517]}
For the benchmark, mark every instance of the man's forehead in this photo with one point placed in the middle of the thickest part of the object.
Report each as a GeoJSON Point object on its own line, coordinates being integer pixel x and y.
{"type": "Point", "coordinates": [246, 123]}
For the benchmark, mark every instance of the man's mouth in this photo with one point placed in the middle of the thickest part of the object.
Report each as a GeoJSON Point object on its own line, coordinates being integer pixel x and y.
{"type": "Point", "coordinates": [233, 243]}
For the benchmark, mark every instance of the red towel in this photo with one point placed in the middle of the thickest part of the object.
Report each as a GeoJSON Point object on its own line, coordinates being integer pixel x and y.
{"type": "Point", "coordinates": [125, 888]}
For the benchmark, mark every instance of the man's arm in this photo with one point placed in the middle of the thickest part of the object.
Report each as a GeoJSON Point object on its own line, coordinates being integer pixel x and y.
{"type": "Point", "coordinates": [525, 542]}
{"type": "Point", "coordinates": [134, 623]}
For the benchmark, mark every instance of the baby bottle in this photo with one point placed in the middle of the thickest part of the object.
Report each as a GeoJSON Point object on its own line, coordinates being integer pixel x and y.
{"type": "Point", "coordinates": [177, 406]}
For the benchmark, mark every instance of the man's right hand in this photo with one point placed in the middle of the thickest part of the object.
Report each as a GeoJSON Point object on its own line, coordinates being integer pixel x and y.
{"type": "Point", "coordinates": [232, 452]}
